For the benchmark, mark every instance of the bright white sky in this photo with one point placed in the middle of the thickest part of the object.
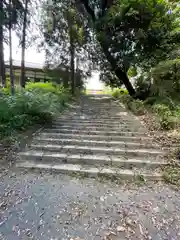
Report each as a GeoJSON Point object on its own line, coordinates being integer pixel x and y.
{"type": "Point", "coordinates": [31, 55]}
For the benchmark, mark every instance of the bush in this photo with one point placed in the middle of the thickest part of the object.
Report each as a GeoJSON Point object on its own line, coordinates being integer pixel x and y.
{"type": "Point", "coordinates": [162, 110]}
{"type": "Point", "coordinates": [166, 79]}
{"type": "Point", "coordinates": [34, 104]}
{"type": "Point", "coordinates": [137, 107]}
{"type": "Point", "coordinates": [118, 92]}
{"type": "Point", "coordinates": [166, 119]}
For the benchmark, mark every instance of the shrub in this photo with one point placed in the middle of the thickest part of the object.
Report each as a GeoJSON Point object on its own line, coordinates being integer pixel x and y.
{"type": "Point", "coordinates": [45, 87]}
{"type": "Point", "coordinates": [126, 99]}
{"type": "Point", "coordinates": [166, 78]}
{"type": "Point", "coordinates": [162, 110]}
{"type": "Point", "coordinates": [118, 92]}
{"type": "Point", "coordinates": [166, 118]}
{"type": "Point", "coordinates": [137, 107]}
{"type": "Point", "coordinates": [35, 104]}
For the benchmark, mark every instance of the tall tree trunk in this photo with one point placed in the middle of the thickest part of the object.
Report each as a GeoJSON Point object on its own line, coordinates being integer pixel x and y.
{"type": "Point", "coordinates": [72, 53]}
{"type": "Point", "coordinates": [72, 68]}
{"type": "Point", "coordinates": [77, 80]}
{"type": "Point", "coordinates": [23, 81]}
{"type": "Point", "coordinates": [122, 75]}
{"type": "Point", "coordinates": [10, 49]}
{"type": "Point", "coordinates": [2, 65]}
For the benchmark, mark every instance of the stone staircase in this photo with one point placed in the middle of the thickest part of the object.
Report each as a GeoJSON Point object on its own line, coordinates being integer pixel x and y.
{"type": "Point", "coordinates": [96, 137]}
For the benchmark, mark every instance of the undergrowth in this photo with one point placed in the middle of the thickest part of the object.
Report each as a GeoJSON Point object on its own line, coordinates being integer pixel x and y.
{"type": "Point", "coordinates": [166, 112]}
{"type": "Point", "coordinates": [38, 103]}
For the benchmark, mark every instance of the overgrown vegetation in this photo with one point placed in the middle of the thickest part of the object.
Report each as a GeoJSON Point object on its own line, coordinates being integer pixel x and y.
{"type": "Point", "coordinates": [172, 175]}
{"type": "Point", "coordinates": [164, 115]}
{"type": "Point", "coordinates": [167, 113]}
{"type": "Point", "coordinates": [38, 103]}
{"type": "Point", "coordinates": [133, 34]}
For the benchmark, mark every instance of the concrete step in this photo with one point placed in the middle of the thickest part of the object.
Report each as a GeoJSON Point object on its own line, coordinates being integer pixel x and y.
{"type": "Point", "coordinates": [114, 173]}
{"type": "Point", "coordinates": [95, 160]}
{"type": "Point", "coordinates": [94, 132]}
{"type": "Point", "coordinates": [100, 128]}
{"type": "Point", "coordinates": [91, 120]}
{"type": "Point", "coordinates": [138, 139]}
{"type": "Point", "coordinates": [89, 142]}
{"type": "Point", "coordinates": [93, 124]}
{"type": "Point", "coordinates": [98, 150]}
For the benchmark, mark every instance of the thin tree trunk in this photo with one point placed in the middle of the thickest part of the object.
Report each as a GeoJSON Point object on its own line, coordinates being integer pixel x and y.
{"type": "Point", "coordinates": [72, 54]}
{"type": "Point", "coordinates": [10, 50]}
{"type": "Point", "coordinates": [77, 83]}
{"type": "Point", "coordinates": [23, 81]}
{"type": "Point", "coordinates": [72, 68]}
{"type": "Point", "coordinates": [2, 65]}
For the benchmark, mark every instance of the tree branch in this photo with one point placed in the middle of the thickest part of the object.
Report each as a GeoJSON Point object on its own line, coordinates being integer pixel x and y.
{"type": "Point", "coordinates": [88, 9]}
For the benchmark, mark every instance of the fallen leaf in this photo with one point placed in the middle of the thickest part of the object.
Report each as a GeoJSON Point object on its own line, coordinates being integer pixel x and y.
{"type": "Point", "coordinates": [120, 229]}
{"type": "Point", "coordinates": [140, 229]}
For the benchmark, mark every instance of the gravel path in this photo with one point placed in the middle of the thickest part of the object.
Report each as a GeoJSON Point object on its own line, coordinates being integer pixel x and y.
{"type": "Point", "coordinates": [51, 206]}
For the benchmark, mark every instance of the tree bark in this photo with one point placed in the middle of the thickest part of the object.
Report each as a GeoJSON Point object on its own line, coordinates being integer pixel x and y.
{"type": "Point", "coordinates": [122, 75]}
{"type": "Point", "coordinates": [124, 78]}
{"type": "Point", "coordinates": [2, 65]}
{"type": "Point", "coordinates": [10, 50]}
{"type": "Point", "coordinates": [72, 53]}
{"type": "Point", "coordinates": [23, 81]}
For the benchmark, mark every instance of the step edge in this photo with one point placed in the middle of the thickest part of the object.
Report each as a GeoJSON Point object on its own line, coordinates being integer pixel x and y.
{"type": "Point", "coordinates": [71, 168]}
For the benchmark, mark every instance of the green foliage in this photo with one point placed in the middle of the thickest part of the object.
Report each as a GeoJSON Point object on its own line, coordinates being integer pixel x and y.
{"type": "Point", "coordinates": [64, 30]}
{"type": "Point", "coordinates": [162, 110]}
{"type": "Point", "coordinates": [38, 103]}
{"type": "Point", "coordinates": [171, 174]}
{"type": "Point", "coordinates": [135, 34]}
{"type": "Point", "coordinates": [132, 72]}
{"type": "Point", "coordinates": [166, 116]}
{"type": "Point", "coordinates": [45, 87]}
{"type": "Point", "coordinates": [166, 79]}
{"type": "Point", "coordinates": [142, 83]}
{"type": "Point", "coordinates": [137, 107]}
{"type": "Point", "coordinates": [117, 92]}
{"type": "Point", "coordinates": [49, 87]}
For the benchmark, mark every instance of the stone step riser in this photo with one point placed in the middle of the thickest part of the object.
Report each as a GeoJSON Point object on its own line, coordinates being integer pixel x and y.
{"type": "Point", "coordinates": [86, 132]}
{"type": "Point", "coordinates": [91, 143]}
{"type": "Point", "coordinates": [92, 172]}
{"type": "Point", "coordinates": [140, 139]}
{"type": "Point", "coordinates": [95, 120]}
{"type": "Point", "coordinates": [125, 164]}
{"type": "Point", "coordinates": [98, 128]}
{"type": "Point", "coordinates": [92, 124]}
{"type": "Point", "coordinates": [101, 151]}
